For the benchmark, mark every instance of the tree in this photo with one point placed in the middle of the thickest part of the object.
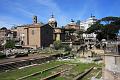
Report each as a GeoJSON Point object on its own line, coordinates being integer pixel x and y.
{"type": "Point", "coordinates": [106, 28]}
{"type": "Point", "coordinates": [10, 44]}
{"type": "Point", "coordinates": [109, 19]}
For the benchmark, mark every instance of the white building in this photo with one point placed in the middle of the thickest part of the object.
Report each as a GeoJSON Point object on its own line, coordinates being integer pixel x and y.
{"type": "Point", "coordinates": [87, 23]}
{"type": "Point", "coordinates": [84, 25]}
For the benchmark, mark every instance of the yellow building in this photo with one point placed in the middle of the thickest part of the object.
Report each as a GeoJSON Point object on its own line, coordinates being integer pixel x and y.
{"type": "Point", "coordinates": [59, 34]}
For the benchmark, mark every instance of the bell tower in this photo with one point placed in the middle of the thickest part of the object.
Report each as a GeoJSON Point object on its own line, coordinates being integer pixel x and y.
{"type": "Point", "coordinates": [34, 19]}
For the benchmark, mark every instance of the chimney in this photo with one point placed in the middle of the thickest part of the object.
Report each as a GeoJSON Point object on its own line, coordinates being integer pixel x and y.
{"type": "Point", "coordinates": [34, 19]}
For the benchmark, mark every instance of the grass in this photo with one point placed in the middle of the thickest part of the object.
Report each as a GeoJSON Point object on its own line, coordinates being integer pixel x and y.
{"type": "Point", "coordinates": [48, 73]}
{"type": "Point", "coordinates": [12, 75]}
{"type": "Point", "coordinates": [93, 73]}
{"type": "Point", "coordinates": [99, 75]}
{"type": "Point", "coordinates": [60, 78]}
{"type": "Point", "coordinates": [39, 76]}
{"type": "Point", "coordinates": [77, 68]}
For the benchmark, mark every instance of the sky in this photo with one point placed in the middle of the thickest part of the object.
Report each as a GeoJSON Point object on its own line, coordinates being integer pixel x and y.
{"type": "Point", "coordinates": [18, 12]}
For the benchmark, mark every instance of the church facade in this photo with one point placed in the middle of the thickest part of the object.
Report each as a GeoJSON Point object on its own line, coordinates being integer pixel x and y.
{"type": "Point", "coordinates": [35, 35]}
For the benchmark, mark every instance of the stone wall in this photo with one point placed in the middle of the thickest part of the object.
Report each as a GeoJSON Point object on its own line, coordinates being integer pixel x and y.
{"type": "Point", "coordinates": [111, 71]}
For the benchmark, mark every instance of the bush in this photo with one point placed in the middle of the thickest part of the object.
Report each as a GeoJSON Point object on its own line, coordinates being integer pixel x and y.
{"type": "Point", "coordinates": [2, 55]}
{"type": "Point", "coordinates": [57, 45]}
{"type": "Point", "coordinates": [67, 47]}
{"type": "Point", "coordinates": [10, 44]}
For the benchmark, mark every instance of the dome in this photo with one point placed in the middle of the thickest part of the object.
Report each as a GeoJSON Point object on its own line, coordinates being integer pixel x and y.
{"type": "Point", "coordinates": [72, 22]}
{"type": "Point", "coordinates": [52, 19]}
{"type": "Point", "coordinates": [3, 28]}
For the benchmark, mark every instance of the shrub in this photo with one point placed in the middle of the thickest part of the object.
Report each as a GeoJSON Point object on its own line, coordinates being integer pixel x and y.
{"type": "Point", "coordinates": [57, 45]}
{"type": "Point", "coordinates": [10, 44]}
{"type": "Point", "coordinates": [67, 48]}
{"type": "Point", "coordinates": [2, 55]}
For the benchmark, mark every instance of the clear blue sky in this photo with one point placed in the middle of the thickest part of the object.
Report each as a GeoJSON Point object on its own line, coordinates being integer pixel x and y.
{"type": "Point", "coordinates": [21, 11]}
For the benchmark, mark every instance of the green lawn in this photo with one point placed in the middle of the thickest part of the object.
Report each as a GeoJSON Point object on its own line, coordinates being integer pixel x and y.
{"type": "Point", "coordinates": [12, 75]}
{"type": "Point", "coordinates": [60, 78]}
{"type": "Point", "coordinates": [77, 68]}
{"type": "Point", "coordinates": [93, 73]}
{"type": "Point", "coordinates": [48, 73]}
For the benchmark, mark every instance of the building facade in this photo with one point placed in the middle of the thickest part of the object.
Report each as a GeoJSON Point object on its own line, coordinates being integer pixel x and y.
{"type": "Point", "coordinates": [87, 23]}
{"type": "Point", "coordinates": [6, 34]}
{"type": "Point", "coordinates": [89, 39]}
{"type": "Point", "coordinates": [42, 35]}
{"type": "Point", "coordinates": [72, 25]}
{"type": "Point", "coordinates": [38, 36]}
{"type": "Point", "coordinates": [35, 35]}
